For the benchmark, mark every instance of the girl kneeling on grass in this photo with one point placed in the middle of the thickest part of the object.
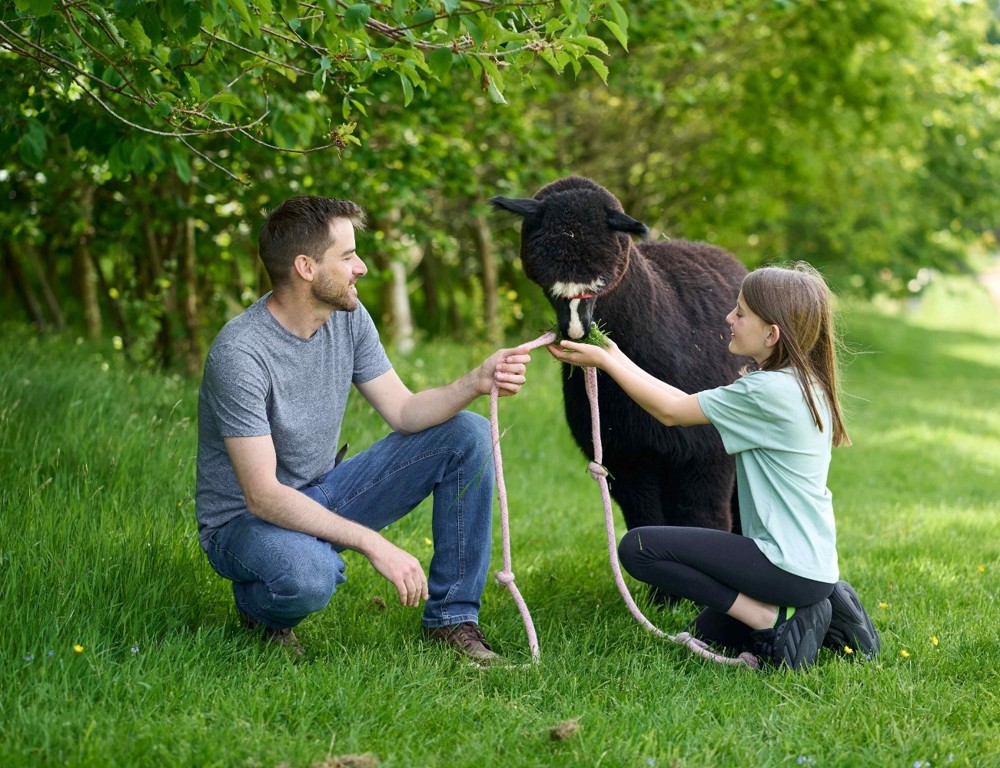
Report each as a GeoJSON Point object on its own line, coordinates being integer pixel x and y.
{"type": "Point", "coordinates": [774, 590]}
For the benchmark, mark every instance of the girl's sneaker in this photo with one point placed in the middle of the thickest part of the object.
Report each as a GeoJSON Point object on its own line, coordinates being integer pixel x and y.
{"type": "Point", "coordinates": [851, 626]}
{"type": "Point", "coordinates": [795, 641]}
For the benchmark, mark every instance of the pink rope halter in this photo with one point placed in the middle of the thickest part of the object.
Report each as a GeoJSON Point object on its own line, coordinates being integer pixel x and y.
{"type": "Point", "coordinates": [600, 474]}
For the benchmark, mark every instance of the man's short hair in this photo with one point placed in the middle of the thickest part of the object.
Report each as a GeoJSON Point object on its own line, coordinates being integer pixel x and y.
{"type": "Point", "coordinates": [301, 225]}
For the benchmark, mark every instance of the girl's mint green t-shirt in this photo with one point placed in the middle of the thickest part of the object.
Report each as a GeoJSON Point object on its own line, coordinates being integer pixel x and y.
{"type": "Point", "coordinates": [782, 462]}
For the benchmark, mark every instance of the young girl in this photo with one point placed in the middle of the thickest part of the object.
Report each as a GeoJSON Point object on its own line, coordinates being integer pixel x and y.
{"type": "Point", "coordinates": [775, 589]}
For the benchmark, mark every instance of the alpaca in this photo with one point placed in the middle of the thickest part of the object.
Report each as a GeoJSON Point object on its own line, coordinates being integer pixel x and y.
{"type": "Point", "coordinates": [664, 303]}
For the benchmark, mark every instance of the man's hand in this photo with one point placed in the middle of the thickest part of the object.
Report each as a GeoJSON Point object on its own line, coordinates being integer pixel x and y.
{"type": "Point", "coordinates": [506, 368]}
{"type": "Point", "coordinates": [402, 569]}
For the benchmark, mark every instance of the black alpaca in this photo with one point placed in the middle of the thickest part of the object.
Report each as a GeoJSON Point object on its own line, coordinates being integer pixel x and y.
{"type": "Point", "coordinates": [664, 304]}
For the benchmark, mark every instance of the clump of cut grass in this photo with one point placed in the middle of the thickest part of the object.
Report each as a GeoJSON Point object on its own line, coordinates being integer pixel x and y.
{"type": "Point", "coordinates": [596, 335]}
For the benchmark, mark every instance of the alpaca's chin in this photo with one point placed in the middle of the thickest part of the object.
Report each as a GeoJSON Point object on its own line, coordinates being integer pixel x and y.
{"type": "Point", "coordinates": [575, 317]}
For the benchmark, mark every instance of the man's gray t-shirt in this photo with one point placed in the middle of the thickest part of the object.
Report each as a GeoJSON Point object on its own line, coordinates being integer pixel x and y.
{"type": "Point", "coordinates": [782, 463]}
{"type": "Point", "coordinates": [261, 379]}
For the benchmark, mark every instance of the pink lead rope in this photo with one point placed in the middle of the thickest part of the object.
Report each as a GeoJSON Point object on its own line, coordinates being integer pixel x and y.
{"type": "Point", "coordinates": [600, 474]}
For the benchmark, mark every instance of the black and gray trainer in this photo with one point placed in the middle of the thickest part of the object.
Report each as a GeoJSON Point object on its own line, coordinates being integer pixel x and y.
{"type": "Point", "coordinates": [851, 626]}
{"type": "Point", "coordinates": [794, 642]}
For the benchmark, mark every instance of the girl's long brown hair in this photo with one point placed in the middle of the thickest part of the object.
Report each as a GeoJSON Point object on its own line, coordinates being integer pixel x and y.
{"type": "Point", "coordinates": [798, 301]}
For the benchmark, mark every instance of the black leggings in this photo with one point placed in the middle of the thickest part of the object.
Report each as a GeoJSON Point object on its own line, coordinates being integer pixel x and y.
{"type": "Point", "coordinates": [711, 568]}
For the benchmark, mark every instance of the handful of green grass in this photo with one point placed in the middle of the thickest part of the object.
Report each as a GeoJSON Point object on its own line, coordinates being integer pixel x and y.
{"type": "Point", "coordinates": [596, 335]}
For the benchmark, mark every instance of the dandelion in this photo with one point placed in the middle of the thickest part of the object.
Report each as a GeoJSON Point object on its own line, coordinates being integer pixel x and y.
{"type": "Point", "coordinates": [981, 569]}
{"type": "Point", "coordinates": [934, 640]}
{"type": "Point", "coordinates": [848, 650]}
{"type": "Point", "coordinates": [904, 653]}
{"type": "Point", "coordinates": [78, 648]}
{"type": "Point", "coordinates": [883, 604]}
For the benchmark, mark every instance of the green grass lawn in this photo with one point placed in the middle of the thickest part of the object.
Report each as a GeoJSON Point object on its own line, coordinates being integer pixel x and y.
{"type": "Point", "coordinates": [119, 646]}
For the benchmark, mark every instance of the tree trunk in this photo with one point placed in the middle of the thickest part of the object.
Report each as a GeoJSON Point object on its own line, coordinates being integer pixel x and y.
{"type": "Point", "coordinates": [23, 288]}
{"type": "Point", "coordinates": [395, 297]}
{"type": "Point", "coordinates": [83, 266]}
{"type": "Point", "coordinates": [188, 290]}
{"type": "Point", "coordinates": [427, 269]}
{"type": "Point", "coordinates": [38, 268]}
{"type": "Point", "coordinates": [487, 261]}
{"type": "Point", "coordinates": [116, 307]}
{"type": "Point", "coordinates": [403, 317]}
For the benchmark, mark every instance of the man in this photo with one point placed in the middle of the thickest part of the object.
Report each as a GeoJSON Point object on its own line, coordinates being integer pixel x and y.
{"type": "Point", "coordinates": [275, 504]}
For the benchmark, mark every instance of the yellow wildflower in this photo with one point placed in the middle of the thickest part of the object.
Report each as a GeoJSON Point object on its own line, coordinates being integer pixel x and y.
{"type": "Point", "coordinates": [883, 604]}
{"type": "Point", "coordinates": [981, 569]}
{"type": "Point", "coordinates": [848, 649]}
{"type": "Point", "coordinates": [904, 653]}
{"type": "Point", "coordinates": [78, 648]}
{"type": "Point", "coordinates": [934, 640]}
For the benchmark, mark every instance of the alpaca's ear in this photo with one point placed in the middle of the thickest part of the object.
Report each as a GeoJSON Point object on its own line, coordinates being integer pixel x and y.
{"type": "Point", "coordinates": [622, 222]}
{"type": "Point", "coordinates": [523, 206]}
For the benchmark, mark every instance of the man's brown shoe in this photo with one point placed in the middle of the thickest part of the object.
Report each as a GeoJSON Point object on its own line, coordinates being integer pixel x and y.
{"type": "Point", "coordinates": [466, 638]}
{"type": "Point", "coordinates": [284, 637]}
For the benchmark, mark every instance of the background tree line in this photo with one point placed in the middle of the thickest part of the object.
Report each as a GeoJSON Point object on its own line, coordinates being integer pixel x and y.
{"type": "Point", "coordinates": [139, 143]}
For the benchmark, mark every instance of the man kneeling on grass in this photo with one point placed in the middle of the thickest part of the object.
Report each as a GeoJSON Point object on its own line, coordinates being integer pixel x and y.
{"type": "Point", "coordinates": [276, 506]}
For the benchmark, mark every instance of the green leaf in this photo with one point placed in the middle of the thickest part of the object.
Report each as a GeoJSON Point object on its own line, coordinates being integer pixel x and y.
{"type": "Point", "coordinates": [494, 92]}
{"type": "Point", "coordinates": [356, 16]}
{"type": "Point", "coordinates": [249, 22]}
{"type": "Point", "coordinates": [588, 42]}
{"type": "Point", "coordinates": [621, 18]}
{"type": "Point", "coordinates": [440, 61]}
{"type": "Point", "coordinates": [475, 32]}
{"type": "Point", "coordinates": [33, 143]}
{"type": "Point", "coordinates": [407, 88]}
{"type": "Point", "coordinates": [135, 35]}
{"type": "Point", "coordinates": [227, 98]}
{"type": "Point", "coordinates": [35, 7]}
{"type": "Point", "coordinates": [127, 8]}
{"type": "Point", "coordinates": [494, 82]}
{"type": "Point", "coordinates": [617, 31]}
{"type": "Point", "coordinates": [599, 66]}
{"type": "Point", "coordinates": [182, 164]}
{"type": "Point", "coordinates": [423, 16]}
{"type": "Point", "coordinates": [139, 158]}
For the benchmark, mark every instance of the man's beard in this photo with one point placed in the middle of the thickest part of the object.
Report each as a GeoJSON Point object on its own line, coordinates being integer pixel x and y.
{"type": "Point", "coordinates": [337, 297]}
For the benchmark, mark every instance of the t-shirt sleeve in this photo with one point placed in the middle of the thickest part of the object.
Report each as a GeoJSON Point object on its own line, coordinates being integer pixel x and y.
{"type": "Point", "coordinates": [736, 412]}
{"type": "Point", "coordinates": [370, 359]}
{"type": "Point", "coordinates": [236, 390]}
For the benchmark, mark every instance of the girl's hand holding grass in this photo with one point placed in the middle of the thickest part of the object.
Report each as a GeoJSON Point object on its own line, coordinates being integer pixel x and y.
{"type": "Point", "coordinates": [584, 354]}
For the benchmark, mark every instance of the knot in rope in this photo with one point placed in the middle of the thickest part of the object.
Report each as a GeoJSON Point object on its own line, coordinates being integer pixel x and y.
{"type": "Point", "coordinates": [596, 470]}
{"type": "Point", "coordinates": [505, 577]}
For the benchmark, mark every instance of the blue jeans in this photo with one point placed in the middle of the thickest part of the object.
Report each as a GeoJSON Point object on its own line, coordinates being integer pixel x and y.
{"type": "Point", "coordinates": [281, 576]}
